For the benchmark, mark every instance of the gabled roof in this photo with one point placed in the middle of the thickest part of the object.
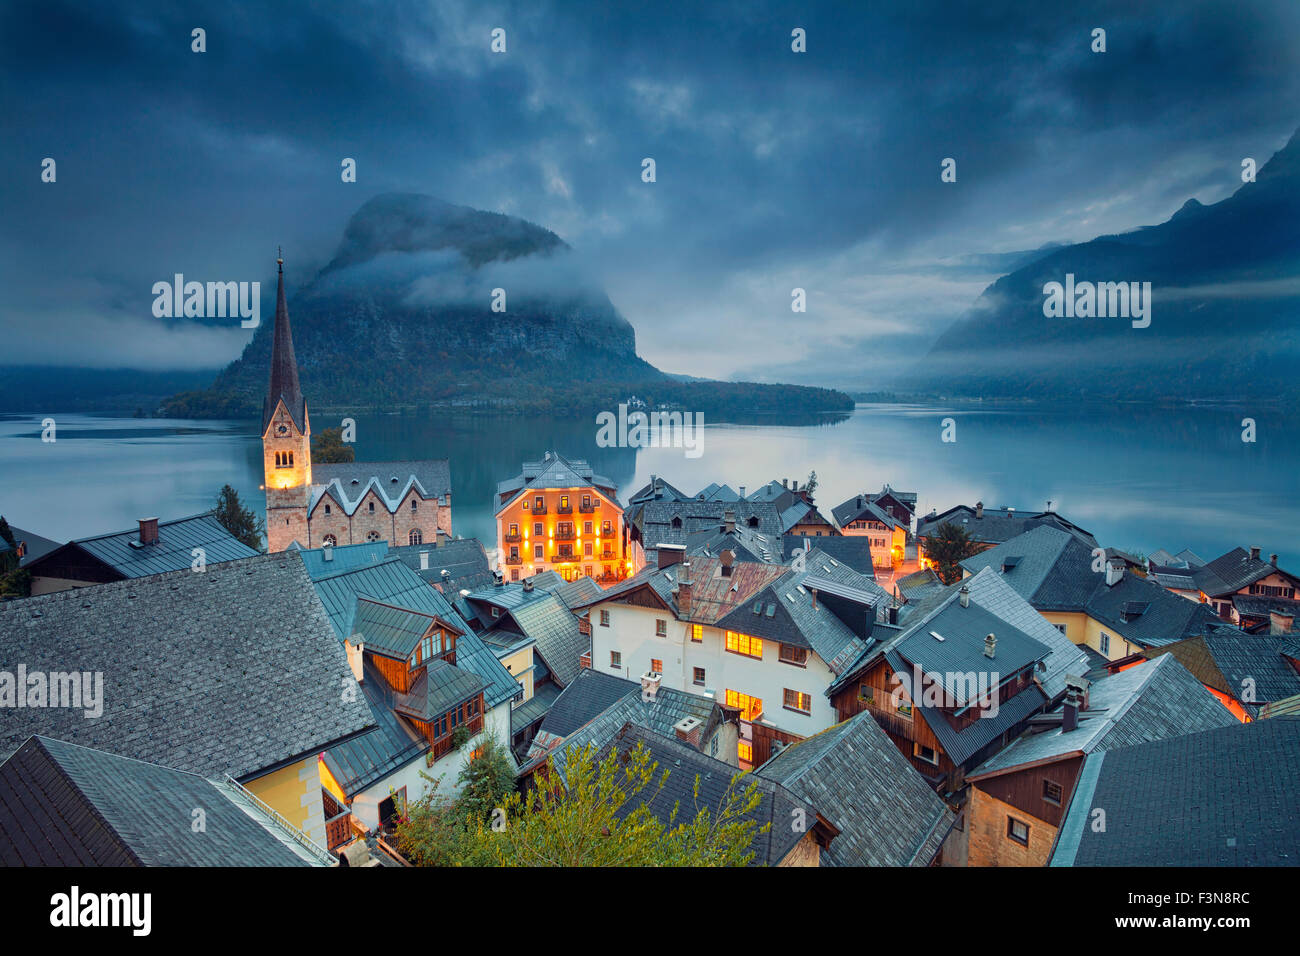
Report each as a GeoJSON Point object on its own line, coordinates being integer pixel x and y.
{"type": "Point", "coordinates": [713, 595]}
{"type": "Point", "coordinates": [392, 630]}
{"type": "Point", "coordinates": [655, 521]}
{"type": "Point", "coordinates": [1240, 665]}
{"type": "Point", "coordinates": [553, 471]}
{"type": "Point", "coordinates": [1221, 797]}
{"type": "Point", "coordinates": [862, 508]}
{"type": "Point", "coordinates": [231, 671]}
{"type": "Point", "coordinates": [747, 544]}
{"type": "Point", "coordinates": [863, 785]}
{"type": "Point", "coordinates": [437, 689]}
{"type": "Point", "coordinates": [1151, 701]}
{"type": "Point", "coordinates": [65, 805]}
{"type": "Point", "coordinates": [347, 483]}
{"type": "Point", "coordinates": [463, 559]}
{"type": "Point", "coordinates": [999, 524]}
{"type": "Point", "coordinates": [35, 545]}
{"type": "Point", "coordinates": [1053, 570]}
{"type": "Point", "coordinates": [173, 551]}
{"type": "Point", "coordinates": [919, 585]}
{"type": "Point", "coordinates": [800, 512]}
{"type": "Point", "coordinates": [560, 641]}
{"type": "Point", "coordinates": [394, 583]}
{"type": "Point", "coordinates": [365, 760]}
{"type": "Point", "coordinates": [685, 766]}
{"type": "Point", "coordinates": [716, 492]}
{"type": "Point", "coordinates": [1233, 571]}
{"type": "Point", "coordinates": [853, 550]}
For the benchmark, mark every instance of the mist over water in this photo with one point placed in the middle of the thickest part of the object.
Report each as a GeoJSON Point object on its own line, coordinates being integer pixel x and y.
{"type": "Point", "coordinates": [1137, 478]}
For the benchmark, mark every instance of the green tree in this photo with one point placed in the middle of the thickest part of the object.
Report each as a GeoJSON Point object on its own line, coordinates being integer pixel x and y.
{"type": "Point", "coordinates": [328, 447]}
{"type": "Point", "coordinates": [948, 548]}
{"type": "Point", "coordinates": [576, 819]}
{"type": "Point", "coordinates": [811, 484]}
{"type": "Point", "coordinates": [15, 582]}
{"type": "Point", "coordinates": [238, 520]}
{"type": "Point", "coordinates": [486, 781]}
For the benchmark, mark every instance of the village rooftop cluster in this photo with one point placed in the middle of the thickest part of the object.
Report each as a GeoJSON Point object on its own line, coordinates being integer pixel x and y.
{"type": "Point", "coordinates": [976, 686]}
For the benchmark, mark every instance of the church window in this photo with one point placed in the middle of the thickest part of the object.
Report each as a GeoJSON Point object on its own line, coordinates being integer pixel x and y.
{"type": "Point", "coordinates": [372, 507]}
{"type": "Point", "coordinates": [331, 540]}
{"type": "Point", "coordinates": [327, 509]}
{"type": "Point", "coordinates": [414, 504]}
{"type": "Point", "coordinates": [372, 536]}
{"type": "Point", "coordinates": [416, 537]}
{"type": "Point", "coordinates": [290, 459]}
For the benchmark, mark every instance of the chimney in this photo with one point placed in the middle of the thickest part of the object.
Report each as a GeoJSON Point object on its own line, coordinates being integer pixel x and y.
{"type": "Point", "coordinates": [1114, 571]}
{"type": "Point", "coordinates": [729, 520]}
{"type": "Point", "coordinates": [1272, 559]}
{"type": "Point", "coordinates": [1070, 712]}
{"type": "Point", "coordinates": [669, 554]}
{"type": "Point", "coordinates": [965, 598]}
{"type": "Point", "coordinates": [528, 585]}
{"type": "Point", "coordinates": [785, 483]}
{"type": "Point", "coordinates": [684, 591]}
{"type": "Point", "coordinates": [859, 504]}
{"type": "Point", "coordinates": [650, 685]}
{"type": "Point", "coordinates": [1279, 623]}
{"type": "Point", "coordinates": [742, 491]}
{"type": "Point", "coordinates": [356, 654]}
{"type": "Point", "coordinates": [445, 574]}
{"type": "Point", "coordinates": [726, 558]}
{"type": "Point", "coordinates": [148, 530]}
{"type": "Point", "coordinates": [1254, 553]}
{"type": "Point", "coordinates": [813, 592]}
{"type": "Point", "coordinates": [498, 579]}
{"type": "Point", "coordinates": [688, 731]}
{"type": "Point", "coordinates": [979, 509]}
{"type": "Point", "coordinates": [990, 646]}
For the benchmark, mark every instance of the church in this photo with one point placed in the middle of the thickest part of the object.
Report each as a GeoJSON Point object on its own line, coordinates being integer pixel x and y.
{"type": "Point", "coordinates": [401, 502]}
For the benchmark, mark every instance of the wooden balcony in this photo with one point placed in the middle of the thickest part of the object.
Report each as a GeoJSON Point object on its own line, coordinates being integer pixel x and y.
{"type": "Point", "coordinates": [892, 721]}
{"type": "Point", "coordinates": [338, 830]}
{"type": "Point", "coordinates": [564, 509]}
{"type": "Point", "coordinates": [539, 509]}
{"type": "Point", "coordinates": [558, 558]}
{"type": "Point", "coordinates": [444, 746]}
{"type": "Point", "coordinates": [512, 538]}
{"type": "Point", "coordinates": [563, 535]}
{"type": "Point", "coordinates": [587, 508]}
{"type": "Point", "coordinates": [514, 559]}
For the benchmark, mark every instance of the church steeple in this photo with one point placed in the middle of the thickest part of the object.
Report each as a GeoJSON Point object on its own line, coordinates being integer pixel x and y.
{"type": "Point", "coordinates": [284, 367]}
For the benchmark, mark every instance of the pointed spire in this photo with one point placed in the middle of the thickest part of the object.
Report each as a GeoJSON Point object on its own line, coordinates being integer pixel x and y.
{"type": "Point", "coordinates": [284, 367]}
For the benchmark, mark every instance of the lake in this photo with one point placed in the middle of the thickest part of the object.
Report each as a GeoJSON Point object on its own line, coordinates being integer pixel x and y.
{"type": "Point", "coordinates": [1137, 478]}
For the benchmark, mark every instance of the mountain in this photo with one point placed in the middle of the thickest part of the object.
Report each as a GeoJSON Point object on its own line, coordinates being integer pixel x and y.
{"type": "Point", "coordinates": [401, 316]}
{"type": "Point", "coordinates": [1225, 310]}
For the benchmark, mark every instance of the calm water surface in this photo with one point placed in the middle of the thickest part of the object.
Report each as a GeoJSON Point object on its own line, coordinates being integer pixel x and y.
{"type": "Point", "coordinates": [1137, 479]}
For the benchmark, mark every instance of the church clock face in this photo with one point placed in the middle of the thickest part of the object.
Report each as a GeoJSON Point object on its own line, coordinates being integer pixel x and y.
{"type": "Point", "coordinates": [283, 429]}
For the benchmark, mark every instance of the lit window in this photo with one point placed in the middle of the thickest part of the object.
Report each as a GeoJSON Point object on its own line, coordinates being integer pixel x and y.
{"type": "Point", "coordinates": [697, 633]}
{"type": "Point", "coordinates": [745, 645]}
{"type": "Point", "coordinates": [750, 707]}
{"type": "Point", "coordinates": [661, 627]}
{"type": "Point", "coordinates": [745, 751]}
{"type": "Point", "coordinates": [656, 666]}
{"type": "Point", "coordinates": [798, 701]}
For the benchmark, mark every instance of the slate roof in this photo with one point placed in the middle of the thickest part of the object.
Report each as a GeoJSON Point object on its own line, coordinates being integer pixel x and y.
{"type": "Point", "coordinates": [776, 807]}
{"type": "Point", "coordinates": [1053, 571]}
{"type": "Point", "coordinates": [853, 550]}
{"type": "Point", "coordinates": [65, 805]}
{"type": "Point", "coordinates": [1151, 701]}
{"type": "Point", "coordinates": [862, 508]}
{"type": "Point", "coordinates": [800, 512]}
{"type": "Point", "coordinates": [747, 544]}
{"type": "Point", "coordinates": [1221, 797]}
{"type": "Point", "coordinates": [36, 546]}
{"type": "Point", "coordinates": [862, 784]}
{"type": "Point", "coordinates": [347, 482]}
{"type": "Point", "coordinates": [230, 671]}
{"type": "Point", "coordinates": [536, 707]}
{"type": "Point", "coordinates": [393, 582]}
{"type": "Point", "coordinates": [1230, 661]}
{"type": "Point", "coordinates": [171, 552]}
{"type": "Point", "coordinates": [1258, 605]}
{"type": "Point", "coordinates": [392, 630]}
{"type": "Point", "coordinates": [553, 471]}
{"type": "Point", "coordinates": [592, 708]}
{"type": "Point", "coordinates": [365, 760]}
{"type": "Point", "coordinates": [713, 595]}
{"type": "Point", "coordinates": [654, 522]}
{"type": "Point", "coordinates": [999, 524]}
{"type": "Point", "coordinates": [1233, 571]}
{"type": "Point", "coordinates": [343, 557]}
{"type": "Point", "coordinates": [559, 639]}
{"type": "Point", "coordinates": [437, 689]}
{"type": "Point", "coordinates": [464, 560]}
{"type": "Point", "coordinates": [919, 585]}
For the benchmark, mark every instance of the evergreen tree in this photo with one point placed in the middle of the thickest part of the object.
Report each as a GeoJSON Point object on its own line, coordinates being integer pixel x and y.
{"type": "Point", "coordinates": [328, 447]}
{"type": "Point", "coordinates": [948, 548]}
{"type": "Point", "coordinates": [487, 780]}
{"type": "Point", "coordinates": [238, 520]}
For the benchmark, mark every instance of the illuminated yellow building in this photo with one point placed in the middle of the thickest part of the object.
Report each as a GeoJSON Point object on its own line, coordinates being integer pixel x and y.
{"type": "Point", "coordinates": [558, 515]}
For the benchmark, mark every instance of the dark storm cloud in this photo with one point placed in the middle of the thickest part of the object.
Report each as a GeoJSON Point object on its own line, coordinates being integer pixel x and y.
{"type": "Point", "coordinates": [775, 170]}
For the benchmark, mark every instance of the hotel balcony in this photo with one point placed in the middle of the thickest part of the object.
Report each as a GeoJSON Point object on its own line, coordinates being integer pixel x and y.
{"type": "Point", "coordinates": [565, 558]}
{"type": "Point", "coordinates": [607, 555]}
{"type": "Point", "coordinates": [539, 509]}
{"type": "Point", "coordinates": [587, 508]}
{"type": "Point", "coordinates": [514, 559]}
{"type": "Point", "coordinates": [564, 509]}
{"type": "Point", "coordinates": [565, 535]}
{"type": "Point", "coordinates": [513, 538]}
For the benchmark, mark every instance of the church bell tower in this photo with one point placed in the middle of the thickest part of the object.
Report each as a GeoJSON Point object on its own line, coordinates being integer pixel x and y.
{"type": "Point", "coordinates": [286, 438]}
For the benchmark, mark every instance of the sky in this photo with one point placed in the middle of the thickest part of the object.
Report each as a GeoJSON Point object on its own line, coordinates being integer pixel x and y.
{"type": "Point", "coordinates": [775, 170]}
